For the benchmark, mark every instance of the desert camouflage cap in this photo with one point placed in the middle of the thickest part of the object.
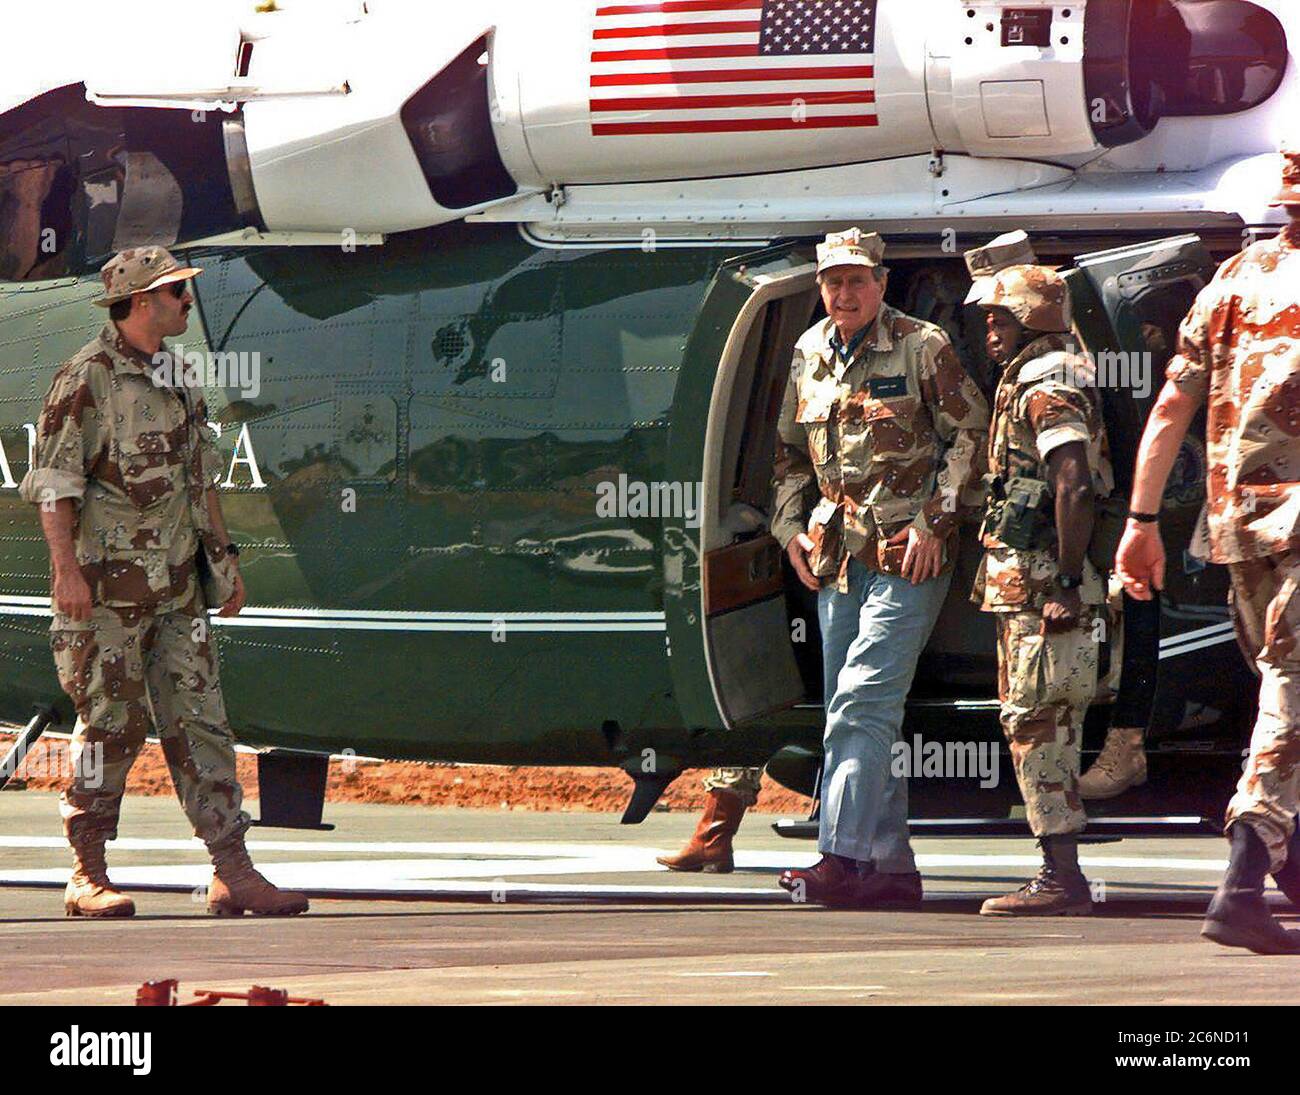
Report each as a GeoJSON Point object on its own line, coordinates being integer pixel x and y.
{"type": "Point", "coordinates": [1290, 192]}
{"type": "Point", "coordinates": [852, 247]}
{"type": "Point", "coordinates": [1036, 296]}
{"type": "Point", "coordinates": [1011, 249]}
{"type": "Point", "coordinates": [138, 270]}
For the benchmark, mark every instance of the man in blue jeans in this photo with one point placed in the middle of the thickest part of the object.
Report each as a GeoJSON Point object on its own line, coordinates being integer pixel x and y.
{"type": "Point", "coordinates": [885, 430]}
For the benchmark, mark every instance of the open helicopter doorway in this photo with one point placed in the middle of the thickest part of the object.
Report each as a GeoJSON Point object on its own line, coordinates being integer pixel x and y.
{"type": "Point", "coordinates": [761, 635]}
{"type": "Point", "coordinates": [748, 626]}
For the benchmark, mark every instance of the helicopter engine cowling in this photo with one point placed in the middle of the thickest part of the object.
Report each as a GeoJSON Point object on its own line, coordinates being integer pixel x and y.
{"type": "Point", "coordinates": [406, 115]}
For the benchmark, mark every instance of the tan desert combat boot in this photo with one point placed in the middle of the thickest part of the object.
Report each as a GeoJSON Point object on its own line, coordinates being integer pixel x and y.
{"type": "Point", "coordinates": [1121, 764]}
{"type": "Point", "coordinates": [237, 887]}
{"type": "Point", "coordinates": [89, 891]}
{"type": "Point", "coordinates": [1059, 888]}
{"type": "Point", "coordinates": [709, 849]}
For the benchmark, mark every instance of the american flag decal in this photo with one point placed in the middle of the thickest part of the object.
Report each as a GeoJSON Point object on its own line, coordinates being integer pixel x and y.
{"type": "Point", "coordinates": [732, 66]}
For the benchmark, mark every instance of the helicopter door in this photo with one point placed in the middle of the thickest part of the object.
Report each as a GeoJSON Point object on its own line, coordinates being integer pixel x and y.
{"type": "Point", "coordinates": [1179, 653]}
{"type": "Point", "coordinates": [725, 595]}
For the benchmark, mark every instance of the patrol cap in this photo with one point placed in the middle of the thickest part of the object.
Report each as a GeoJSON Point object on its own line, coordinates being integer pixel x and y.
{"type": "Point", "coordinates": [1290, 192]}
{"type": "Point", "coordinates": [1037, 296]}
{"type": "Point", "coordinates": [852, 247]}
{"type": "Point", "coordinates": [138, 270]}
{"type": "Point", "coordinates": [1010, 249]}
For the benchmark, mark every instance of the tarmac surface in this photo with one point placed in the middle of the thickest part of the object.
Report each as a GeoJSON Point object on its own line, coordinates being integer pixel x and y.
{"type": "Point", "coordinates": [415, 905]}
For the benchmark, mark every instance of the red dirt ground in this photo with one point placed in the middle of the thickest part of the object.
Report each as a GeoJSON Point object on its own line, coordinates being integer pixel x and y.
{"type": "Point", "coordinates": [409, 783]}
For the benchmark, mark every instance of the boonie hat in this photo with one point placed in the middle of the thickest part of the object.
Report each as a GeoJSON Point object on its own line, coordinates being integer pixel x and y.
{"type": "Point", "coordinates": [138, 270]}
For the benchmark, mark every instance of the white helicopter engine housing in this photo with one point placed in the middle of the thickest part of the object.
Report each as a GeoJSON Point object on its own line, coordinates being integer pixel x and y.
{"type": "Point", "coordinates": [396, 115]}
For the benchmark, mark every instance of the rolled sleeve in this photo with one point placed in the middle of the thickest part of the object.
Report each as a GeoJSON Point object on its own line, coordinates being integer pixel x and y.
{"type": "Point", "coordinates": [50, 484]}
{"type": "Point", "coordinates": [1058, 414]}
{"type": "Point", "coordinates": [68, 437]}
{"type": "Point", "coordinates": [1063, 434]}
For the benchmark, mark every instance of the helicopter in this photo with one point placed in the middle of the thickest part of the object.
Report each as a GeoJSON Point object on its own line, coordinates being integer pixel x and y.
{"type": "Point", "coordinates": [497, 309]}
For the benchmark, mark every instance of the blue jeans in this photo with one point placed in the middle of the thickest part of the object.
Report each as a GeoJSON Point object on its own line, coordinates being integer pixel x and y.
{"type": "Point", "coordinates": [872, 637]}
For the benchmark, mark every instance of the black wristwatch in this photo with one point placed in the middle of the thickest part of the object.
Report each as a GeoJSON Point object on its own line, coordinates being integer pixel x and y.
{"type": "Point", "coordinates": [1143, 518]}
{"type": "Point", "coordinates": [1068, 581]}
{"type": "Point", "coordinates": [232, 550]}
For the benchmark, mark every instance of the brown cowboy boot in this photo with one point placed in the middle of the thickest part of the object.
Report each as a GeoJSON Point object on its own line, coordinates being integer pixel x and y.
{"type": "Point", "coordinates": [709, 848]}
{"type": "Point", "coordinates": [237, 887]}
{"type": "Point", "coordinates": [89, 891]}
{"type": "Point", "coordinates": [1121, 764]}
{"type": "Point", "coordinates": [830, 881]}
{"type": "Point", "coordinates": [881, 890]}
{"type": "Point", "coordinates": [1059, 888]}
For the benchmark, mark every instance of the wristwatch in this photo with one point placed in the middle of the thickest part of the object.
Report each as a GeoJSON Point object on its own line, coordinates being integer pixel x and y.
{"type": "Point", "coordinates": [1143, 518]}
{"type": "Point", "coordinates": [232, 550]}
{"type": "Point", "coordinates": [1069, 581]}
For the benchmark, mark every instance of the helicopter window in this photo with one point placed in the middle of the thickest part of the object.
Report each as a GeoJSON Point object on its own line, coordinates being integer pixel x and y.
{"type": "Point", "coordinates": [1208, 57]}
{"type": "Point", "coordinates": [78, 182]}
{"type": "Point", "coordinates": [41, 141]}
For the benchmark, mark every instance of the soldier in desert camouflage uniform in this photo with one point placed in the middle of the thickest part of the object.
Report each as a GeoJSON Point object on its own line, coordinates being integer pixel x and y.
{"type": "Point", "coordinates": [1047, 462]}
{"type": "Point", "coordinates": [883, 425]}
{"type": "Point", "coordinates": [1239, 348]}
{"type": "Point", "coordinates": [123, 473]}
{"type": "Point", "coordinates": [1122, 762]}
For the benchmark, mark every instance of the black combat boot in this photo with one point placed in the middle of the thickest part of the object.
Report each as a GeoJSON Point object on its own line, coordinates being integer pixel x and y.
{"type": "Point", "coordinates": [1238, 916]}
{"type": "Point", "coordinates": [1059, 889]}
{"type": "Point", "coordinates": [1288, 878]}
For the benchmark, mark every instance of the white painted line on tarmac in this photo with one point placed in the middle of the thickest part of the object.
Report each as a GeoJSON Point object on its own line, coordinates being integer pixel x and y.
{"type": "Point", "coordinates": [722, 973]}
{"type": "Point", "coordinates": [308, 877]}
{"type": "Point", "coordinates": [479, 858]}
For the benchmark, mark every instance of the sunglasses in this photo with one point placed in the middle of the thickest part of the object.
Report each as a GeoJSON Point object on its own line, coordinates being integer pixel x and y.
{"type": "Point", "coordinates": [176, 288]}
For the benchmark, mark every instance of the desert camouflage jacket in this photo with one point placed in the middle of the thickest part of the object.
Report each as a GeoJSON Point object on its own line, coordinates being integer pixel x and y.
{"type": "Point", "coordinates": [894, 437]}
{"type": "Point", "coordinates": [138, 458]}
{"type": "Point", "coordinates": [1240, 346]}
{"type": "Point", "coordinates": [1047, 398]}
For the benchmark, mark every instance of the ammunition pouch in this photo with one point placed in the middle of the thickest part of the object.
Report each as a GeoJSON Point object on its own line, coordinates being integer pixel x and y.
{"type": "Point", "coordinates": [1108, 518]}
{"type": "Point", "coordinates": [1020, 513]}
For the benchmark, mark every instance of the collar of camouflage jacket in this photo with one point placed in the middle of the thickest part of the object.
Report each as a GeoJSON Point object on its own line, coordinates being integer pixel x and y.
{"type": "Point", "coordinates": [125, 356]}
{"type": "Point", "coordinates": [843, 352]}
{"type": "Point", "coordinates": [879, 337]}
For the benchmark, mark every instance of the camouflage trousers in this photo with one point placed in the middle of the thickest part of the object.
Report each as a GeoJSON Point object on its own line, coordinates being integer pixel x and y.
{"type": "Point", "coordinates": [127, 670]}
{"type": "Point", "coordinates": [1265, 602]}
{"type": "Point", "coordinates": [741, 782]}
{"type": "Point", "coordinates": [1045, 684]}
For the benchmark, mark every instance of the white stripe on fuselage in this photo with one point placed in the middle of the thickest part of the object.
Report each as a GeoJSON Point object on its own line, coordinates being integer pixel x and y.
{"type": "Point", "coordinates": [397, 620]}
{"type": "Point", "coordinates": [1197, 639]}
